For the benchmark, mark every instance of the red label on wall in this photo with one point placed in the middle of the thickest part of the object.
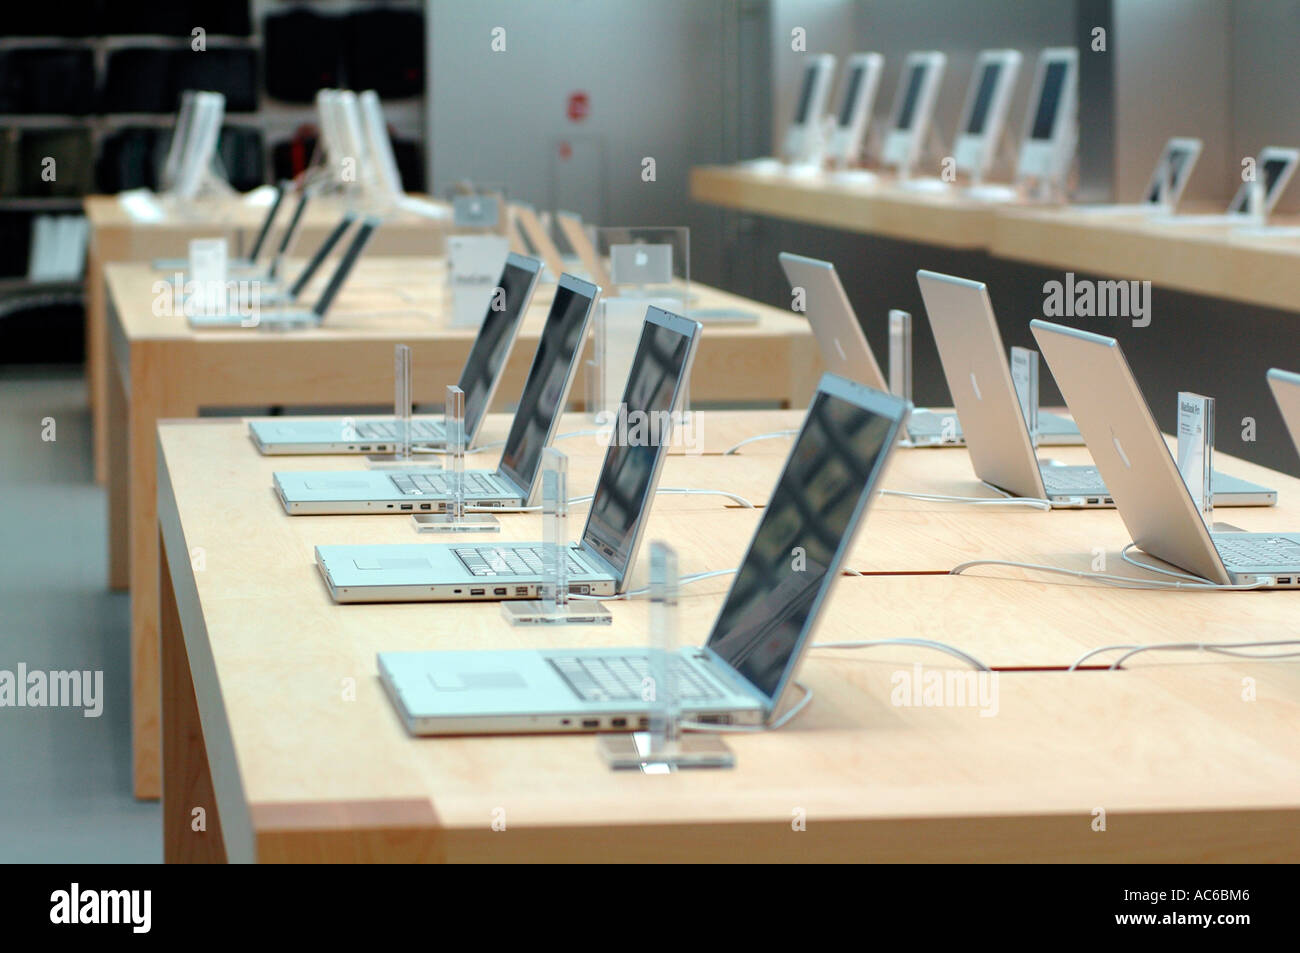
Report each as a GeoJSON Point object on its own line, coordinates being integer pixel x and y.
{"type": "Point", "coordinates": [578, 107]}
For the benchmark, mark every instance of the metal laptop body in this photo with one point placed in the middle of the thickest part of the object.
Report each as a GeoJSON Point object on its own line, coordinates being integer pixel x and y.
{"type": "Point", "coordinates": [979, 378]}
{"type": "Point", "coordinates": [296, 317]}
{"type": "Point", "coordinates": [847, 352]}
{"type": "Point", "coordinates": [1275, 165]}
{"type": "Point", "coordinates": [766, 622]}
{"type": "Point", "coordinates": [1173, 170]}
{"type": "Point", "coordinates": [1132, 455]}
{"type": "Point", "coordinates": [514, 482]}
{"type": "Point", "coordinates": [482, 373]}
{"type": "Point", "coordinates": [601, 562]}
{"type": "Point", "coordinates": [1286, 391]}
{"type": "Point", "coordinates": [249, 261]}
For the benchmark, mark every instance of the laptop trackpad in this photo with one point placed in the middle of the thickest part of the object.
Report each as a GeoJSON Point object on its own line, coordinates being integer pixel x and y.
{"type": "Point", "coordinates": [467, 681]}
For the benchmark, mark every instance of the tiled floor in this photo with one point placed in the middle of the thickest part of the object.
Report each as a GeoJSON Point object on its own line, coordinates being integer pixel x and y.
{"type": "Point", "coordinates": [65, 779]}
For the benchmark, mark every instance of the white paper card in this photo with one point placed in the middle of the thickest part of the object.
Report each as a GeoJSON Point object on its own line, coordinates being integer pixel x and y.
{"type": "Point", "coordinates": [475, 263]}
{"type": "Point", "coordinates": [1196, 448]}
{"type": "Point", "coordinates": [1024, 375]}
{"type": "Point", "coordinates": [207, 274]}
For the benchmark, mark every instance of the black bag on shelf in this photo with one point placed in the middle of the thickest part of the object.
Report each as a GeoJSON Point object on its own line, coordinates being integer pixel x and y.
{"type": "Point", "coordinates": [240, 149]}
{"type": "Point", "coordinates": [16, 240]}
{"type": "Point", "coordinates": [385, 52]}
{"type": "Point", "coordinates": [148, 18]}
{"type": "Point", "coordinates": [74, 163]}
{"type": "Point", "coordinates": [54, 80]}
{"type": "Point", "coordinates": [128, 159]}
{"type": "Point", "coordinates": [11, 161]}
{"type": "Point", "coordinates": [231, 70]}
{"type": "Point", "coordinates": [221, 17]}
{"type": "Point", "coordinates": [302, 50]}
{"type": "Point", "coordinates": [70, 18]}
{"type": "Point", "coordinates": [140, 80]}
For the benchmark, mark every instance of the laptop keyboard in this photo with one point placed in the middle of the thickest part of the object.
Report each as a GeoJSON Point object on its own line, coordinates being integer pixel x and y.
{"type": "Point", "coordinates": [618, 678]}
{"type": "Point", "coordinates": [439, 484]}
{"type": "Point", "coordinates": [387, 430]}
{"type": "Point", "coordinates": [1258, 551]}
{"type": "Point", "coordinates": [1072, 480]}
{"type": "Point", "coordinates": [509, 561]}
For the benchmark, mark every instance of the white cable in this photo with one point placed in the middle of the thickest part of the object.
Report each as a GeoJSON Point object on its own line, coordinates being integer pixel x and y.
{"type": "Point", "coordinates": [588, 497]}
{"type": "Point", "coordinates": [785, 719]}
{"type": "Point", "coordinates": [1123, 554]}
{"type": "Point", "coordinates": [705, 492]}
{"type": "Point", "coordinates": [763, 436]}
{"type": "Point", "coordinates": [1108, 578]}
{"type": "Point", "coordinates": [921, 643]}
{"type": "Point", "coordinates": [1219, 648]}
{"type": "Point", "coordinates": [442, 451]}
{"type": "Point", "coordinates": [633, 593]}
{"type": "Point", "coordinates": [1035, 502]}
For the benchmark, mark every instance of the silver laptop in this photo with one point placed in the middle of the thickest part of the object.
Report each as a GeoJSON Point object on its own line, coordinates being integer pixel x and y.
{"type": "Point", "coordinates": [479, 379]}
{"type": "Point", "coordinates": [767, 620]}
{"type": "Point", "coordinates": [296, 316]}
{"type": "Point", "coordinates": [1286, 391]}
{"type": "Point", "coordinates": [846, 352]}
{"type": "Point", "coordinates": [515, 480]}
{"type": "Point", "coordinates": [281, 189]}
{"type": "Point", "coordinates": [601, 562]}
{"type": "Point", "coordinates": [1131, 453]}
{"type": "Point", "coordinates": [975, 364]}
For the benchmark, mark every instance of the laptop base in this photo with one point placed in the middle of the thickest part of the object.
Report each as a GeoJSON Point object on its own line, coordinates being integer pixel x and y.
{"type": "Point", "coordinates": [632, 752]}
{"type": "Point", "coordinates": [537, 612]}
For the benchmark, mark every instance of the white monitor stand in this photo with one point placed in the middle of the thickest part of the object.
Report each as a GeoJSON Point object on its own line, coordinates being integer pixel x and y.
{"type": "Point", "coordinates": [853, 117]}
{"type": "Point", "coordinates": [913, 112]}
{"type": "Point", "coordinates": [1047, 145]}
{"type": "Point", "coordinates": [802, 148]}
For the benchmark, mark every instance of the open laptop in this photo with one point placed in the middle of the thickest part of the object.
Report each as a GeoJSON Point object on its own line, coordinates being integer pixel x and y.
{"type": "Point", "coordinates": [1286, 391]}
{"type": "Point", "coordinates": [1274, 165]}
{"type": "Point", "coordinates": [280, 189]}
{"type": "Point", "coordinates": [479, 379]}
{"type": "Point", "coordinates": [1132, 455]}
{"type": "Point", "coordinates": [1168, 180]}
{"type": "Point", "coordinates": [846, 352]}
{"type": "Point", "coordinates": [296, 316]}
{"type": "Point", "coordinates": [760, 634]}
{"type": "Point", "coordinates": [515, 481]}
{"type": "Point", "coordinates": [975, 364]}
{"type": "Point", "coordinates": [601, 562]}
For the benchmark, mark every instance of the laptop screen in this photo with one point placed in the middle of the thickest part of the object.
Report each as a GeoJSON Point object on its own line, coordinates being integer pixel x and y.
{"type": "Point", "coordinates": [642, 431]}
{"type": "Point", "coordinates": [542, 401]}
{"type": "Point", "coordinates": [850, 96]}
{"type": "Point", "coordinates": [1273, 169]}
{"type": "Point", "coordinates": [914, 80]}
{"type": "Point", "coordinates": [805, 94]}
{"type": "Point", "coordinates": [767, 611]}
{"type": "Point", "coordinates": [1048, 101]}
{"type": "Point", "coordinates": [1175, 159]}
{"type": "Point", "coordinates": [491, 348]}
{"type": "Point", "coordinates": [983, 99]}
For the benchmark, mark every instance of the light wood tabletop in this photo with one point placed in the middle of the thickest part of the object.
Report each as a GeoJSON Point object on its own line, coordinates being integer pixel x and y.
{"type": "Point", "coordinates": [279, 735]}
{"type": "Point", "coordinates": [1217, 260]}
{"type": "Point", "coordinates": [118, 232]}
{"type": "Point", "coordinates": [164, 368]}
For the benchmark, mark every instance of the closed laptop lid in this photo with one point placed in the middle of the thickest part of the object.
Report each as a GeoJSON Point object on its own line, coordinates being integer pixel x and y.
{"type": "Point", "coordinates": [642, 433]}
{"type": "Point", "coordinates": [547, 387]}
{"type": "Point", "coordinates": [805, 531]}
{"type": "Point", "coordinates": [840, 338]}
{"type": "Point", "coordinates": [496, 336]}
{"type": "Point", "coordinates": [1128, 448]}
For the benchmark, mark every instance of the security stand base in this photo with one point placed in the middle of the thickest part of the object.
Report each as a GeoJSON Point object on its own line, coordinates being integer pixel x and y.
{"type": "Point", "coordinates": [536, 612]}
{"type": "Point", "coordinates": [631, 751]}
{"type": "Point", "coordinates": [444, 523]}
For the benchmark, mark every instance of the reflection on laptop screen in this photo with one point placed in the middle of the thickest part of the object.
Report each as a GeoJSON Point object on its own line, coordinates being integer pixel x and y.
{"type": "Point", "coordinates": [540, 403]}
{"type": "Point", "coordinates": [914, 80]}
{"type": "Point", "coordinates": [645, 417]}
{"type": "Point", "coordinates": [492, 345]}
{"type": "Point", "coordinates": [850, 96]}
{"type": "Point", "coordinates": [1048, 101]}
{"type": "Point", "coordinates": [766, 612]}
{"type": "Point", "coordinates": [983, 99]}
{"type": "Point", "coordinates": [805, 96]}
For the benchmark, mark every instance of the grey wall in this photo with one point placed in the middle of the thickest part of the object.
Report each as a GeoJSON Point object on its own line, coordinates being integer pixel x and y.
{"type": "Point", "coordinates": [1264, 83]}
{"type": "Point", "coordinates": [670, 79]}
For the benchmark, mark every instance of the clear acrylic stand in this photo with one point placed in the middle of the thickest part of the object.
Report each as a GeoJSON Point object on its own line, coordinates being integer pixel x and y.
{"type": "Point", "coordinates": [664, 747]}
{"type": "Point", "coordinates": [900, 354]}
{"type": "Point", "coordinates": [1196, 450]}
{"type": "Point", "coordinates": [455, 519]}
{"type": "Point", "coordinates": [553, 605]}
{"type": "Point", "coordinates": [1024, 375]}
{"type": "Point", "coordinates": [403, 456]}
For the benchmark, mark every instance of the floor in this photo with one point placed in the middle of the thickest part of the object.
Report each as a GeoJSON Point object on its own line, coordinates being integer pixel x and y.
{"type": "Point", "coordinates": [65, 779]}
